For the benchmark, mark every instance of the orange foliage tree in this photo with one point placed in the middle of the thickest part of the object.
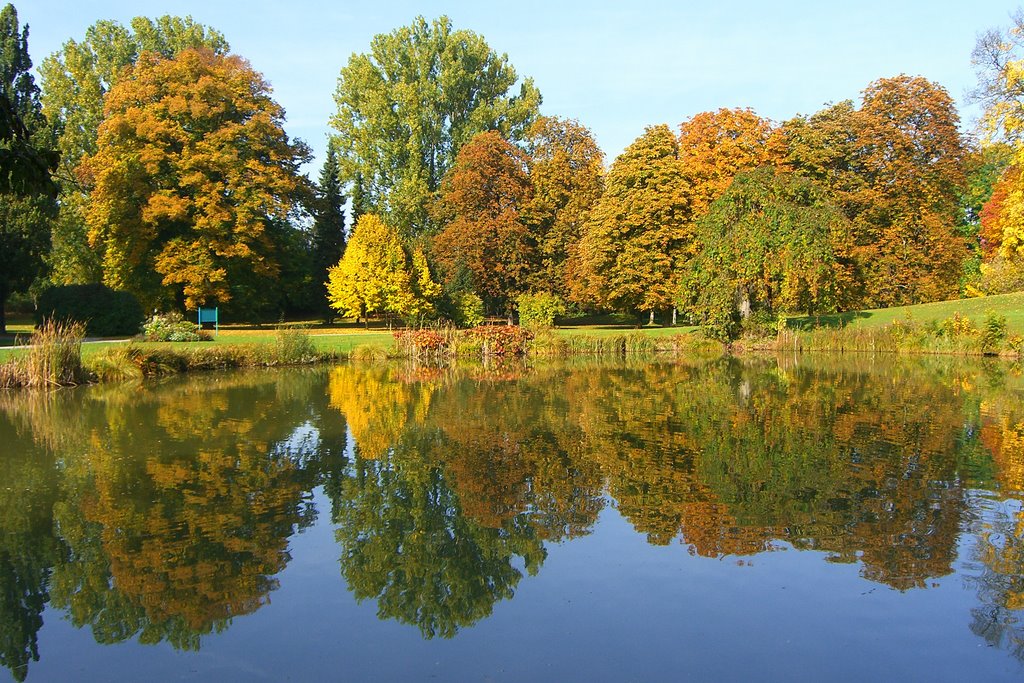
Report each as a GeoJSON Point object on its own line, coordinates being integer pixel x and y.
{"type": "Point", "coordinates": [482, 205]}
{"type": "Point", "coordinates": [896, 166]}
{"type": "Point", "coordinates": [192, 176]}
{"type": "Point", "coordinates": [716, 145]}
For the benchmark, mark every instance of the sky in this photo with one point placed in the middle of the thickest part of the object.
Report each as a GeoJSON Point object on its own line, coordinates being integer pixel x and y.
{"type": "Point", "coordinates": [615, 67]}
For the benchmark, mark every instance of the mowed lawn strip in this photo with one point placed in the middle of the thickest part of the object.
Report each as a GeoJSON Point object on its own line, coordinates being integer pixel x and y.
{"type": "Point", "coordinates": [1009, 305]}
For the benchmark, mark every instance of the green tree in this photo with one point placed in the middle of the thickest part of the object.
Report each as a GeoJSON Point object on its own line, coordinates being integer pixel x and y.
{"type": "Point", "coordinates": [773, 242]}
{"type": "Point", "coordinates": [567, 176]}
{"type": "Point", "coordinates": [637, 235]}
{"type": "Point", "coordinates": [328, 238]}
{"type": "Point", "coordinates": [483, 200]}
{"type": "Point", "coordinates": [192, 173]}
{"type": "Point", "coordinates": [75, 81]}
{"type": "Point", "coordinates": [408, 106]}
{"type": "Point", "coordinates": [378, 275]}
{"type": "Point", "coordinates": [26, 188]}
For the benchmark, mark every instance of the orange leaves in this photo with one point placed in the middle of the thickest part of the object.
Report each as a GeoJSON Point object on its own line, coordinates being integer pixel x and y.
{"type": "Point", "coordinates": [715, 146]}
{"type": "Point", "coordinates": [484, 197]}
{"type": "Point", "coordinates": [193, 149]}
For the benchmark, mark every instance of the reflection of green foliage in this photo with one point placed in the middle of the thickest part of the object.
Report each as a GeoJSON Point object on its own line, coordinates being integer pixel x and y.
{"type": "Point", "coordinates": [406, 543]}
{"type": "Point", "coordinates": [28, 549]}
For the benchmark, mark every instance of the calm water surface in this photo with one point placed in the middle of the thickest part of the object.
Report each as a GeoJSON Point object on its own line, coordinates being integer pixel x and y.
{"type": "Point", "coordinates": [785, 519]}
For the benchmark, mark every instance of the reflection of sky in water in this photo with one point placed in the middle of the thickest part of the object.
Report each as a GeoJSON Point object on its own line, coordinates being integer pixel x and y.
{"type": "Point", "coordinates": [626, 510]}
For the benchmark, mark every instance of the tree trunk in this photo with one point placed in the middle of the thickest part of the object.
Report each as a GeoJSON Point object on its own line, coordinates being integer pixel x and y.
{"type": "Point", "coordinates": [675, 311]}
{"type": "Point", "coordinates": [651, 321]}
{"type": "Point", "coordinates": [743, 303]}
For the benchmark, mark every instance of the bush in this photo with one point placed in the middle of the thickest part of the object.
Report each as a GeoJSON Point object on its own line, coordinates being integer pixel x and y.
{"type": "Point", "coordinates": [540, 309]}
{"type": "Point", "coordinates": [103, 311]}
{"type": "Point", "coordinates": [172, 327]}
{"type": "Point", "coordinates": [957, 326]}
{"type": "Point", "coordinates": [993, 333]}
{"type": "Point", "coordinates": [502, 340]}
{"type": "Point", "coordinates": [467, 309]}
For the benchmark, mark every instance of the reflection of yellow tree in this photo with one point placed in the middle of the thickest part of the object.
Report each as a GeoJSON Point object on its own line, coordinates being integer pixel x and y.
{"type": "Point", "coordinates": [376, 405]}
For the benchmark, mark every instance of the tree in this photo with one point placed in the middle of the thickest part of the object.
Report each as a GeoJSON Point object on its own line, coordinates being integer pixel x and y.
{"type": "Point", "coordinates": [328, 239]}
{"type": "Point", "coordinates": [408, 106]}
{"type": "Point", "coordinates": [567, 177]}
{"type": "Point", "coordinates": [482, 203]}
{"type": "Point", "coordinates": [377, 275]}
{"type": "Point", "coordinates": [895, 167]}
{"type": "Point", "coordinates": [75, 82]}
{"type": "Point", "coordinates": [638, 234]}
{"type": "Point", "coordinates": [999, 60]}
{"type": "Point", "coordinates": [27, 193]}
{"type": "Point", "coordinates": [773, 242]}
{"type": "Point", "coordinates": [715, 146]}
{"type": "Point", "coordinates": [192, 171]}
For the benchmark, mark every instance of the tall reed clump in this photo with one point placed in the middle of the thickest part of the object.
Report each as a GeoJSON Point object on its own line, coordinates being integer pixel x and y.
{"type": "Point", "coordinates": [292, 346]}
{"type": "Point", "coordinates": [54, 356]}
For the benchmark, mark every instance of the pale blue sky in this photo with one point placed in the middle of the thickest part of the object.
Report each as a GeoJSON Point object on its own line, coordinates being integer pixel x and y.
{"type": "Point", "coordinates": [615, 67]}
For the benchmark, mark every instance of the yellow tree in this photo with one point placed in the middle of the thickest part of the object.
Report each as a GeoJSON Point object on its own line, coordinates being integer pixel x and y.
{"type": "Point", "coordinates": [567, 175]}
{"type": "Point", "coordinates": [377, 275]}
{"type": "Point", "coordinates": [640, 229]}
{"type": "Point", "coordinates": [192, 177]}
{"type": "Point", "coordinates": [999, 60]}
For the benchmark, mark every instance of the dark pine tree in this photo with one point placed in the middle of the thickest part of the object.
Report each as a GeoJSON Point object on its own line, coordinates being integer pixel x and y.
{"type": "Point", "coordinates": [27, 192]}
{"type": "Point", "coordinates": [328, 229]}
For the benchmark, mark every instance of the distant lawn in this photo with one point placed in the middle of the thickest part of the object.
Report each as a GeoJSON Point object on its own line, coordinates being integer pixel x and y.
{"type": "Point", "coordinates": [1009, 305]}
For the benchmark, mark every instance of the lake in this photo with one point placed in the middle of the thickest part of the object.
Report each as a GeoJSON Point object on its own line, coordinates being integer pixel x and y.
{"type": "Point", "coordinates": [800, 518]}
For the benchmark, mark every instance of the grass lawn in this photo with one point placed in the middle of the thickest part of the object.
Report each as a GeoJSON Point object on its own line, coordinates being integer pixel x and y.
{"type": "Point", "coordinates": [341, 337]}
{"type": "Point", "coordinates": [1009, 305]}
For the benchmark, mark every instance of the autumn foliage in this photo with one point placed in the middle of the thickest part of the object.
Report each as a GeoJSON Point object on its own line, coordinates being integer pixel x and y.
{"type": "Point", "coordinates": [192, 169]}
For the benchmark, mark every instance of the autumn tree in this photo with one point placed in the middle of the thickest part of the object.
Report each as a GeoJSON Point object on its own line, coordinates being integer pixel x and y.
{"type": "Point", "coordinates": [639, 232]}
{"type": "Point", "coordinates": [567, 179]}
{"type": "Point", "coordinates": [378, 274]}
{"type": "Point", "coordinates": [406, 108]}
{"type": "Point", "coordinates": [482, 205]}
{"type": "Point", "coordinates": [328, 238]}
{"type": "Point", "coordinates": [716, 145]}
{"type": "Point", "coordinates": [75, 81]}
{"type": "Point", "coordinates": [999, 60]}
{"type": "Point", "coordinates": [27, 192]}
{"type": "Point", "coordinates": [895, 167]}
{"type": "Point", "coordinates": [192, 172]}
{"type": "Point", "coordinates": [773, 243]}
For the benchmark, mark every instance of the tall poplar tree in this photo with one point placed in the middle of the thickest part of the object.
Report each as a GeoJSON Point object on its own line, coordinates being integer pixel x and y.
{"type": "Point", "coordinates": [408, 106]}
{"type": "Point", "coordinates": [26, 190]}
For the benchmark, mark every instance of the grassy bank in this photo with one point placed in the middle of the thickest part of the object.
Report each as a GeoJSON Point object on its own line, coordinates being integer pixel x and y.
{"type": "Point", "coordinates": [985, 326]}
{"type": "Point", "coordinates": [974, 310]}
{"type": "Point", "coordinates": [123, 360]}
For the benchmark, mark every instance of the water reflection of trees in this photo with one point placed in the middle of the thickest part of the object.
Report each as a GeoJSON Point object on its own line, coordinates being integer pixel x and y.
{"type": "Point", "coordinates": [159, 515]}
{"type": "Point", "coordinates": [163, 514]}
